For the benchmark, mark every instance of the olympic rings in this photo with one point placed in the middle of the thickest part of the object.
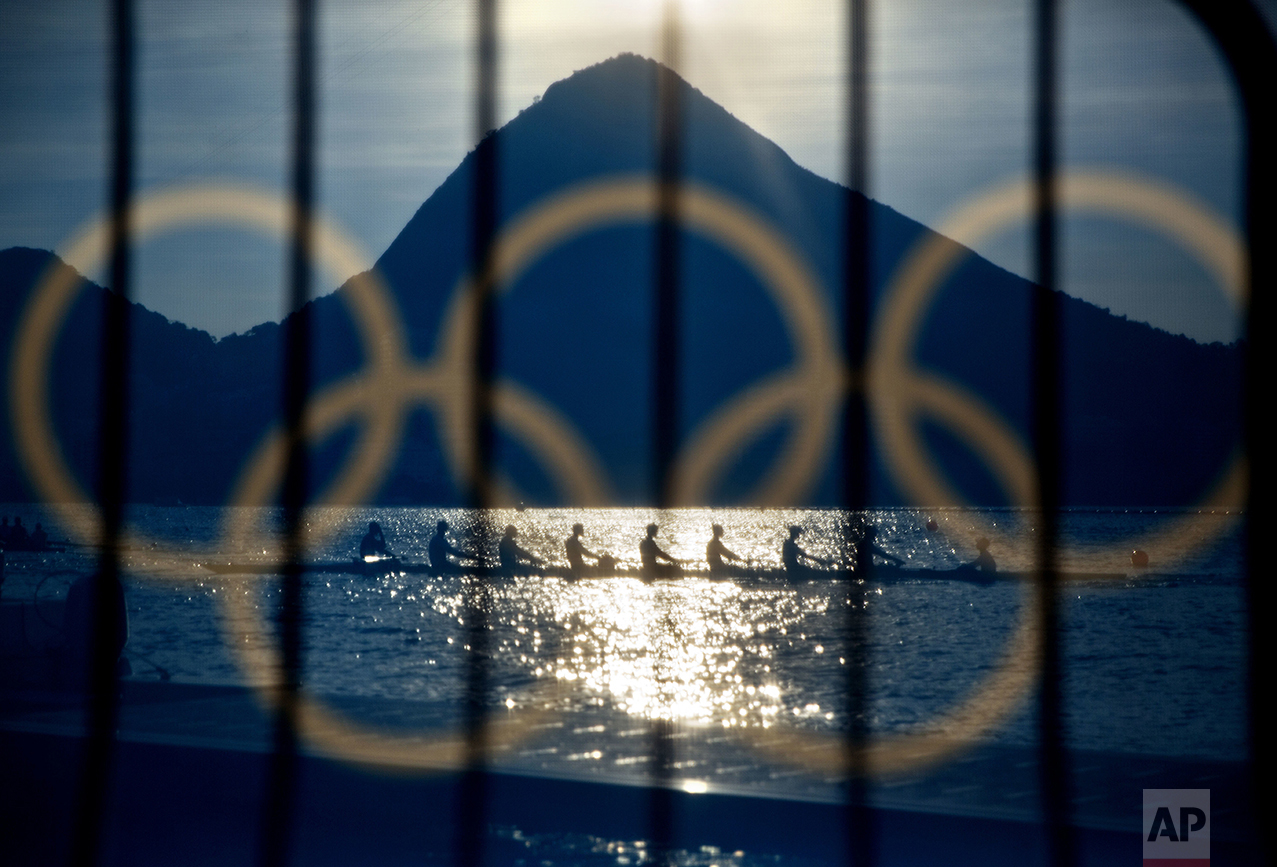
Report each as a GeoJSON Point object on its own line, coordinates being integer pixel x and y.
{"type": "Point", "coordinates": [810, 389]}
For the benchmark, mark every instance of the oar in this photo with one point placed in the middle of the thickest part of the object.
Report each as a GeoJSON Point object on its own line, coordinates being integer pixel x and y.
{"type": "Point", "coordinates": [163, 672]}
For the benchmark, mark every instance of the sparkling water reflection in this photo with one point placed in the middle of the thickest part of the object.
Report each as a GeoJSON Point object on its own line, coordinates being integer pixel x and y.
{"type": "Point", "coordinates": [1154, 664]}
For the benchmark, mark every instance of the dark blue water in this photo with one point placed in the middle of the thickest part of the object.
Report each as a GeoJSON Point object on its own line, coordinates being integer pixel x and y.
{"type": "Point", "coordinates": [1154, 658]}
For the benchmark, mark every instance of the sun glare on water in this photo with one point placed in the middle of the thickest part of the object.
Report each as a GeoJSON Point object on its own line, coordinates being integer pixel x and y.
{"type": "Point", "coordinates": [676, 652]}
{"type": "Point", "coordinates": [694, 652]}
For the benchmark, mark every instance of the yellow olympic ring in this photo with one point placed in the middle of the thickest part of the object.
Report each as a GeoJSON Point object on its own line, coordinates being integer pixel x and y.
{"type": "Point", "coordinates": [996, 697]}
{"type": "Point", "coordinates": [899, 394]}
{"type": "Point", "coordinates": [34, 437]}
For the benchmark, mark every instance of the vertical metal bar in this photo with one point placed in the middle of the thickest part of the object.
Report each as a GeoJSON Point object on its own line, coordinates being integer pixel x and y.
{"type": "Point", "coordinates": [666, 317]}
{"type": "Point", "coordinates": [281, 795]}
{"type": "Point", "coordinates": [857, 251]}
{"type": "Point", "coordinates": [102, 686]}
{"type": "Point", "coordinates": [1247, 42]}
{"type": "Point", "coordinates": [1250, 48]}
{"type": "Point", "coordinates": [665, 312]}
{"type": "Point", "coordinates": [472, 794]}
{"type": "Point", "coordinates": [1047, 393]}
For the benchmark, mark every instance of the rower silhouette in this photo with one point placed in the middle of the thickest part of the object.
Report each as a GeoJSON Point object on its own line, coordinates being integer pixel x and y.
{"type": "Point", "coordinates": [18, 539]}
{"type": "Point", "coordinates": [716, 552]}
{"type": "Point", "coordinates": [984, 561]}
{"type": "Point", "coordinates": [577, 552]}
{"type": "Point", "coordinates": [444, 558]}
{"type": "Point", "coordinates": [652, 556]}
{"type": "Point", "coordinates": [517, 560]}
{"type": "Point", "coordinates": [796, 560]}
{"type": "Point", "coordinates": [869, 548]}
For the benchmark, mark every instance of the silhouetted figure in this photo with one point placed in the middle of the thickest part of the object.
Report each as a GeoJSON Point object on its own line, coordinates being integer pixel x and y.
{"type": "Point", "coordinates": [796, 559]}
{"type": "Point", "coordinates": [651, 555]}
{"type": "Point", "coordinates": [444, 558]}
{"type": "Point", "coordinates": [18, 539]}
{"type": "Point", "coordinates": [869, 549]}
{"type": "Point", "coordinates": [39, 540]}
{"type": "Point", "coordinates": [86, 596]}
{"type": "Point", "coordinates": [516, 560]}
{"type": "Point", "coordinates": [984, 561]}
{"type": "Point", "coordinates": [577, 552]}
{"type": "Point", "coordinates": [716, 551]}
{"type": "Point", "coordinates": [374, 542]}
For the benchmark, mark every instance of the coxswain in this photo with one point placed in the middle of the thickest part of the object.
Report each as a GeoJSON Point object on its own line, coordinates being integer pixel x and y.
{"type": "Point", "coordinates": [374, 542]}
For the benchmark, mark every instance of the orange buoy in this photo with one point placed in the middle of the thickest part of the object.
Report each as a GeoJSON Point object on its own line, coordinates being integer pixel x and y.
{"type": "Point", "coordinates": [1139, 558]}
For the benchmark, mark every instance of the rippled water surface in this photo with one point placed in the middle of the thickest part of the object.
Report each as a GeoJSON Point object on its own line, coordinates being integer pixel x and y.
{"type": "Point", "coordinates": [1154, 658]}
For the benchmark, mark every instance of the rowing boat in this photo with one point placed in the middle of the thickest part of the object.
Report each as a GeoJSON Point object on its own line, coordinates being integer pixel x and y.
{"type": "Point", "coordinates": [877, 575]}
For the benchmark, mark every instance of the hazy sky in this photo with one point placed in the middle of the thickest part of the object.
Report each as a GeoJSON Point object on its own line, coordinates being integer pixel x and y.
{"type": "Point", "coordinates": [1144, 94]}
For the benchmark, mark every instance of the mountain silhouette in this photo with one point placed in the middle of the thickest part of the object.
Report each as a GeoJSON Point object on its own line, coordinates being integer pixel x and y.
{"type": "Point", "coordinates": [1151, 419]}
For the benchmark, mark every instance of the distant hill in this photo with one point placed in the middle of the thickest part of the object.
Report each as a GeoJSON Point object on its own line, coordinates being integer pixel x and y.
{"type": "Point", "coordinates": [1151, 417]}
